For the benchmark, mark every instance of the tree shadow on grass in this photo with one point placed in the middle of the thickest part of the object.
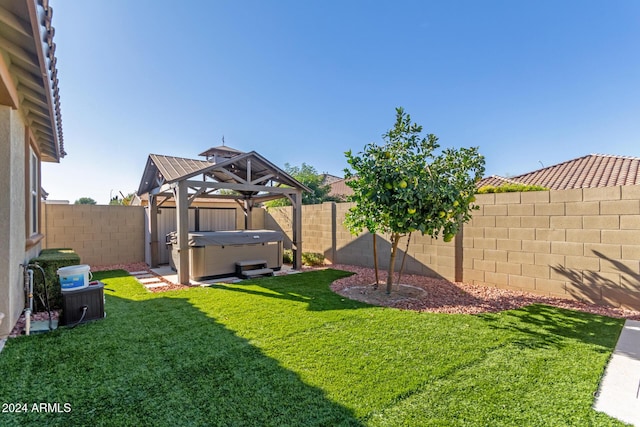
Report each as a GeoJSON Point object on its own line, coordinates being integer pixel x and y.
{"type": "Point", "coordinates": [309, 287]}
{"type": "Point", "coordinates": [158, 361]}
{"type": "Point", "coordinates": [543, 326]}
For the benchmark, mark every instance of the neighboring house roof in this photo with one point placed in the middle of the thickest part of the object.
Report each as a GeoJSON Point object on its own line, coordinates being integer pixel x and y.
{"type": "Point", "coordinates": [28, 73]}
{"type": "Point", "coordinates": [495, 180]}
{"type": "Point", "coordinates": [340, 189]}
{"type": "Point", "coordinates": [328, 179]}
{"type": "Point", "coordinates": [594, 170]}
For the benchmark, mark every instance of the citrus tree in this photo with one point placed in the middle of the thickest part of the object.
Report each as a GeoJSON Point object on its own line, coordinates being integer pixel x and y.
{"type": "Point", "coordinates": [407, 185]}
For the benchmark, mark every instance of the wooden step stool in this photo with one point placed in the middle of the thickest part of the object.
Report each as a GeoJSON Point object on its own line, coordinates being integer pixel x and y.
{"type": "Point", "coordinates": [250, 269]}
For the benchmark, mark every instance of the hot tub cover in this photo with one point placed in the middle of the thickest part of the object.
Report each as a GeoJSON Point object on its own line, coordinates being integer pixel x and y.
{"type": "Point", "coordinates": [234, 237]}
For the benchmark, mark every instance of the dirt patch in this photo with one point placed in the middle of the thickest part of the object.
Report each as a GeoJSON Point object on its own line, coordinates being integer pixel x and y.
{"type": "Point", "coordinates": [378, 296]}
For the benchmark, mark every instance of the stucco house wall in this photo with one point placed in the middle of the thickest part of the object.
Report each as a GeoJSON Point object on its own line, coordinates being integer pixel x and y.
{"type": "Point", "coordinates": [13, 250]}
{"type": "Point", "coordinates": [30, 132]}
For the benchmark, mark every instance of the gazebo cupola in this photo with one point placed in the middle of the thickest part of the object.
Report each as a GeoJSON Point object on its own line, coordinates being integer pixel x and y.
{"type": "Point", "coordinates": [220, 154]}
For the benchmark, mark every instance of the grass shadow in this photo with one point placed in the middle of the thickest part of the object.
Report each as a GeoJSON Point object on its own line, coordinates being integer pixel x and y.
{"type": "Point", "coordinates": [543, 326]}
{"type": "Point", "coordinates": [157, 360]}
{"type": "Point", "coordinates": [300, 287]}
{"type": "Point", "coordinates": [211, 356]}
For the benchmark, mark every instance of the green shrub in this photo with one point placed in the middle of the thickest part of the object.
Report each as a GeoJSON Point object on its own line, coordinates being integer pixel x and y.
{"type": "Point", "coordinates": [308, 258]}
{"type": "Point", "coordinates": [287, 256]}
{"type": "Point", "coordinates": [510, 188]}
{"type": "Point", "coordinates": [312, 259]}
{"type": "Point", "coordinates": [51, 260]}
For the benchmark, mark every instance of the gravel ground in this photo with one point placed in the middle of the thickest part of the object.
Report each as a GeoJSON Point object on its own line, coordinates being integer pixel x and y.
{"type": "Point", "coordinates": [417, 293]}
{"type": "Point", "coordinates": [138, 266]}
{"type": "Point", "coordinates": [441, 296]}
{"type": "Point", "coordinates": [18, 329]}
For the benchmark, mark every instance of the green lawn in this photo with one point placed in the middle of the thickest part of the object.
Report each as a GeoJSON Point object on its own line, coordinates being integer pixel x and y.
{"type": "Point", "coordinates": [288, 351]}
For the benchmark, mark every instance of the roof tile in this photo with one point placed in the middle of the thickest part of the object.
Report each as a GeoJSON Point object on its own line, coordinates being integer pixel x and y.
{"type": "Point", "coordinates": [592, 171]}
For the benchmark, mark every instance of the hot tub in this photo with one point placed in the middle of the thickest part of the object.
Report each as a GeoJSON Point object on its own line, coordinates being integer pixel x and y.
{"type": "Point", "coordinates": [215, 253]}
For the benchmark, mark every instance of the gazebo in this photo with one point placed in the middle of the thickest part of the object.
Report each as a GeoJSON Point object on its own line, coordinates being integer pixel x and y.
{"type": "Point", "coordinates": [247, 178]}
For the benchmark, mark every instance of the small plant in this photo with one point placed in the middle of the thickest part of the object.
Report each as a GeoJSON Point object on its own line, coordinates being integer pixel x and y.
{"type": "Point", "coordinates": [308, 258]}
{"type": "Point", "coordinates": [312, 259]}
{"type": "Point", "coordinates": [287, 256]}
{"type": "Point", "coordinates": [510, 188]}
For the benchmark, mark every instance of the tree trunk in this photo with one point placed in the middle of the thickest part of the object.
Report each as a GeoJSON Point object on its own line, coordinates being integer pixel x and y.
{"type": "Point", "coordinates": [404, 257]}
{"type": "Point", "coordinates": [395, 238]}
{"type": "Point", "coordinates": [375, 260]}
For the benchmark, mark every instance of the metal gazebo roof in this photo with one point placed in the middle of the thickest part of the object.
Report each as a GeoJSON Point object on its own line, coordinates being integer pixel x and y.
{"type": "Point", "coordinates": [246, 173]}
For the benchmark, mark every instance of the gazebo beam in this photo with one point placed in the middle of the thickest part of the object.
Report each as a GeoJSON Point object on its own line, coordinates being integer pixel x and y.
{"type": "Point", "coordinates": [231, 175]}
{"type": "Point", "coordinates": [266, 197]}
{"type": "Point", "coordinates": [261, 179]}
{"type": "Point", "coordinates": [241, 187]}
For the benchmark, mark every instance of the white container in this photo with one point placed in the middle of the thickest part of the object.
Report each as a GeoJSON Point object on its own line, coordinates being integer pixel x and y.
{"type": "Point", "coordinates": [74, 277]}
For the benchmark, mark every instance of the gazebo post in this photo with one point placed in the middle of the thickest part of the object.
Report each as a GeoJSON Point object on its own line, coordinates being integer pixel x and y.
{"type": "Point", "coordinates": [182, 219]}
{"type": "Point", "coordinates": [248, 214]}
{"type": "Point", "coordinates": [297, 230]}
{"type": "Point", "coordinates": [153, 230]}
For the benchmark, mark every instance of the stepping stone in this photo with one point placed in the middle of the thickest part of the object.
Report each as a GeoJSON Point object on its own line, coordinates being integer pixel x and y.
{"type": "Point", "coordinates": [135, 273]}
{"type": "Point", "coordinates": [155, 285]}
{"type": "Point", "coordinates": [148, 280]}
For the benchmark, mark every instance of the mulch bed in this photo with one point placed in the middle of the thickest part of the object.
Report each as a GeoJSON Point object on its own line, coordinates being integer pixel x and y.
{"type": "Point", "coordinates": [443, 296]}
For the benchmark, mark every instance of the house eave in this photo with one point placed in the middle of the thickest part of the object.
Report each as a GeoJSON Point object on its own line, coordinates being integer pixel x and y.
{"type": "Point", "coordinates": [28, 72]}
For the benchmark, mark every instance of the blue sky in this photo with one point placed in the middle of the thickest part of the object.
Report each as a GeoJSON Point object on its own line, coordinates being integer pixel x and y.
{"type": "Point", "coordinates": [529, 82]}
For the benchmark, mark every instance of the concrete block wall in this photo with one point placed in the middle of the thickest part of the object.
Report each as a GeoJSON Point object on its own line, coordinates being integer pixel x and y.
{"type": "Point", "coordinates": [425, 255]}
{"type": "Point", "coordinates": [101, 235]}
{"type": "Point", "coordinates": [317, 231]}
{"type": "Point", "coordinates": [257, 218]}
{"type": "Point", "coordinates": [582, 244]}
{"type": "Point", "coordinates": [281, 219]}
{"type": "Point", "coordinates": [323, 231]}
{"type": "Point", "coordinates": [318, 225]}
{"type": "Point", "coordinates": [352, 249]}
